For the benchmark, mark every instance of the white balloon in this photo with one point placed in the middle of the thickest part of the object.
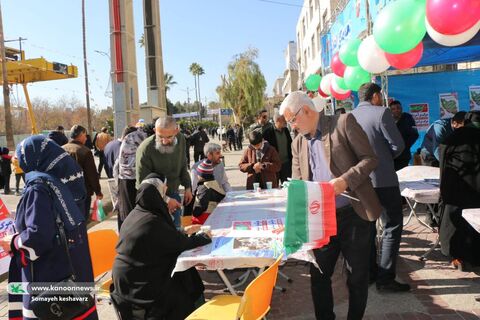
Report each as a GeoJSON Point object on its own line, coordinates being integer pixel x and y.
{"type": "Point", "coordinates": [319, 103]}
{"type": "Point", "coordinates": [452, 40]}
{"type": "Point", "coordinates": [370, 57]}
{"type": "Point", "coordinates": [336, 88]}
{"type": "Point", "coordinates": [325, 83]}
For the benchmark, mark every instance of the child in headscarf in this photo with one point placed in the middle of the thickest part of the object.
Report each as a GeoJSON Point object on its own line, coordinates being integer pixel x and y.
{"type": "Point", "coordinates": [54, 188]}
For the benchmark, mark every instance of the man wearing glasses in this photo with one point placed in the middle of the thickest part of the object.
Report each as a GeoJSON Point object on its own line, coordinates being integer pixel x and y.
{"type": "Point", "coordinates": [164, 154]}
{"type": "Point", "coordinates": [335, 149]}
{"type": "Point", "coordinates": [261, 122]}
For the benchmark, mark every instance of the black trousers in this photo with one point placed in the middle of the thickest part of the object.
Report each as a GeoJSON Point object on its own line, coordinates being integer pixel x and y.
{"type": "Point", "coordinates": [86, 208]}
{"type": "Point", "coordinates": [392, 221]}
{"type": "Point", "coordinates": [353, 241]}
{"type": "Point", "coordinates": [285, 172]}
{"type": "Point", "coordinates": [18, 177]}
{"type": "Point", "coordinates": [101, 163]}
{"type": "Point", "coordinates": [400, 163]}
{"type": "Point", "coordinates": [126, 199]}
{"type": "Point", "coordinates": [198, 155]}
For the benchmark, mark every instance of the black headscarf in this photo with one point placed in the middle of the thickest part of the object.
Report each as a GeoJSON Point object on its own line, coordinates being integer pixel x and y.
{"type": "Point", "coordinates": [151, 194]}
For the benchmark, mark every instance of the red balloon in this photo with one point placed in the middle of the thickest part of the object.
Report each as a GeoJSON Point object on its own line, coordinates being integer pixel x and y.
{"type": "Point", "coordinates": [406, 60]}
{"type": "Point", "coordinates": [322, 94]}
{"type": "Point", "coordinates": [452, 16]}
{"type": "Point", "coordinates": [340, 96]}
{"type": "Point", "coordinates": [337, 66]}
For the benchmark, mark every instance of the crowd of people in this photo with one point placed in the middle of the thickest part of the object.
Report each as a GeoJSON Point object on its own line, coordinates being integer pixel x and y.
{"type": "Point", "coordinates": [358, 153]}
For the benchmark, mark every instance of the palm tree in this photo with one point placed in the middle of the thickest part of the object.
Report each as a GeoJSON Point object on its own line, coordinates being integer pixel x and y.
{"type": "Point", "coordinates": [197, 71]}
{"type": "Point", "coordinates": [168, 81]}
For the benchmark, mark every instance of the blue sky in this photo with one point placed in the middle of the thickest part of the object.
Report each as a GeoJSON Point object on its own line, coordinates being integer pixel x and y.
{"type": "Point", "coordinates": [209, 32]}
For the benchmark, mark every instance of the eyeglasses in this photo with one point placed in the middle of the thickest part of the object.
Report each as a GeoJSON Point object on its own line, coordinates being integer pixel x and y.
{"type": "Point", "coordinates": [294, 118]}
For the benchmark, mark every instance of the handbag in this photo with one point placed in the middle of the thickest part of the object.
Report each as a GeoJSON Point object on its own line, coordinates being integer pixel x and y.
{"type": "Point", "coordinates": [50, 304]}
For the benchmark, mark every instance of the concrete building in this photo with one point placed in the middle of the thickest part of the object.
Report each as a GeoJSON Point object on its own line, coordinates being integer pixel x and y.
{"type": "Point", "coordinates": [314, 18]}
{"type": "Point", "coordinates": [289, 81]}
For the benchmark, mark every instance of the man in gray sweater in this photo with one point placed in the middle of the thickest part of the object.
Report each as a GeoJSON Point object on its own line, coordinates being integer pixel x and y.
{"type": "Point", "coordinates": [378, 123]}
{"type": "Point", "coordinates": [164, 154]}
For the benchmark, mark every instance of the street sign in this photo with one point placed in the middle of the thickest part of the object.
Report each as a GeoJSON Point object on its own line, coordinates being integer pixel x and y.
{"type": "Point", "coordinates": [226, 112]}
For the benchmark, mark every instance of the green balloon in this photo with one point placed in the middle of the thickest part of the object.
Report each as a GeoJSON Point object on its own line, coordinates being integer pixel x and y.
{"type": "Point", "coordinates": [313, 82]}
{"type": "Point", "coordinates": [400, 26]}
{"type": "Point", "coordinates": [348, 52]}
{"type": "Point", "coordinates": [355, 76]}
{"type": "Point", "coordinates": [341, 83]}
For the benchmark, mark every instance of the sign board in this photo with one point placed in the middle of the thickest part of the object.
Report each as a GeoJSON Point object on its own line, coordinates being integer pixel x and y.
{"type": "Point", "coordinates": [5, 223]}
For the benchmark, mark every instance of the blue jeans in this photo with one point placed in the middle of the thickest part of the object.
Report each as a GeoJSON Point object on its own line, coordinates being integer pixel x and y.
{"type": "Point", "coordinates": [177, 215]}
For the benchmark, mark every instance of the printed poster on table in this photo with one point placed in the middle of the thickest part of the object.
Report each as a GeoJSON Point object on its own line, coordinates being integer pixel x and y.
{"type": "Point", "coordinates": [474, 93]}
{"type": "Point", "coordinates": [5, 222]}
{"type": "Point", "coordinates": [420, 114]}
{"type": "Point", "coordinates": [448, 104]}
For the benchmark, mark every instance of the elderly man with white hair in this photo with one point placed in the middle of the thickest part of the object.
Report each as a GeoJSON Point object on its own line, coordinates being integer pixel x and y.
{"type": "Point", "coordinates": [213, 153]}
{"type": "Point", "coordinates": [335, 149]}
{"type": "Point", "coordinates": [164, 154]}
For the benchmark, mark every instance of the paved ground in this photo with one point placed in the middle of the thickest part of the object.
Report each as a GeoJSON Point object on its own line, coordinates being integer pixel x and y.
{"type": "Point", "coordinates": [439, 291]}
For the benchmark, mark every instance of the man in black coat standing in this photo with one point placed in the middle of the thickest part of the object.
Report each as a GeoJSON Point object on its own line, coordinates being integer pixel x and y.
{"type": "Point", "coordinates": [279, 137]}
{"type": "Point", "coordinates": [198, 141]}
{"type": "Point", "coordinates": [408, 129]}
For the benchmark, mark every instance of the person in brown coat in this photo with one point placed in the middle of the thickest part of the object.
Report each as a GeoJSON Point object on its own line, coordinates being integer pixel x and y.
{"type": "Point", "coordinates": [260, 161]}
{"type": "Point", "coordinates": [84, 157]}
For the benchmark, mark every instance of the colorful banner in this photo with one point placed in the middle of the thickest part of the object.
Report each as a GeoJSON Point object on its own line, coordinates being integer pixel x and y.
{"type": "Point", "coordinates": [6, 222]}
{"type": "Point", "coordinates": [421, 115]}
{"type": "Point", "coordinates": [474, 94]}
{"type": "Point", "coordinates": [348, 24]}
{"type": "Point", "coordinates": [448, 104]}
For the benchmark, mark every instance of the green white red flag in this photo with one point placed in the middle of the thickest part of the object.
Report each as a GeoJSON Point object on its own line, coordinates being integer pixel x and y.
{"type": "Point", "coordinates": [311, 216]}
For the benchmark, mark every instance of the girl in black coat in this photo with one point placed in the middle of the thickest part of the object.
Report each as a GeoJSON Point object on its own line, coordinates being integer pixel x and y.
{"type": "Point", "coordinates": [148, 249]}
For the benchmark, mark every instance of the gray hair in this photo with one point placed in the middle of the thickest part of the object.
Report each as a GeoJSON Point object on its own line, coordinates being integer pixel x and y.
{"type": "Point", "coordinates": [277, 115]}
{"type": "Point", "coordinates": [167, 122]}
{"type": "Point", "coordinates": [211, 148]}
{"type": "Point", "coordinates": [295, 101]}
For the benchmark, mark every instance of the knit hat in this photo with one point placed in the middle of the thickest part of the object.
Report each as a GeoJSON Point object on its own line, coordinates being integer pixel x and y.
{"type": "Point", "coordinates": [205, 170]}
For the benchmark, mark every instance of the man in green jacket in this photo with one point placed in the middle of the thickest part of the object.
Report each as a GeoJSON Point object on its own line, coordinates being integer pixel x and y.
{"type": "Point", "coordinates": [164, 154]}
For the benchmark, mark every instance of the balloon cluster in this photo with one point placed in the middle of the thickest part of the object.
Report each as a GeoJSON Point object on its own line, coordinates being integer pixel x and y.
{"type": "Point", "coordinates": [397, 42]}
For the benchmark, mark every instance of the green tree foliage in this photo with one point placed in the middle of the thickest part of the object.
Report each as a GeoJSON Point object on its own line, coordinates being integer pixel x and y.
{"type": "Point", "coordinates": [243, 87]}
{"type": "Point", "coordinates": [196, 70]}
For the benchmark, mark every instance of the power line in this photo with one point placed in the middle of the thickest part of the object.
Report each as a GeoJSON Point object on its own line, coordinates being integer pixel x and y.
{"type": "Point", "coordinates": [282, 3]}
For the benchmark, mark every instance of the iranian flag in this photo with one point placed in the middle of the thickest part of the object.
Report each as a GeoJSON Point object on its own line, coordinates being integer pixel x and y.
{"type": "Point", "coordinates": [311, 216]}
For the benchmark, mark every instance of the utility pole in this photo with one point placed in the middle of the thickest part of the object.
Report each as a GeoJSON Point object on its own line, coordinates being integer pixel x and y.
{"type": "Point", "coordinates": [6, 90]}
{"type": "Point", "coordinates": [85, 67]}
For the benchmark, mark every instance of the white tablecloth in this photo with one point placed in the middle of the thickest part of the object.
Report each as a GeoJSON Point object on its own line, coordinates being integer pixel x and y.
{"type": "Point", "coordinates": [473, 217]}
{"type": "Point", "coordinates": [243, 237]}
{"type": "Point", "coordinates": [420, 183]}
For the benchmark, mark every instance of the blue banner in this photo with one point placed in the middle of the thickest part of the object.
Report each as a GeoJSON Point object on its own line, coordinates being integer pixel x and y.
{"type": "Point", "coordinates": [348, 24]}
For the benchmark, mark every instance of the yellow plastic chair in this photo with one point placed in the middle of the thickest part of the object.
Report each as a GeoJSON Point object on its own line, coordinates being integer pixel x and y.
{"type": "Point", "coordinates": [253, 305]}
{"type": "Point", "coordinates": [102, 252]}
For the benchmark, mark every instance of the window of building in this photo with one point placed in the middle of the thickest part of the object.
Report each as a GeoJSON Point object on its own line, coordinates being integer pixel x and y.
{"type": "Point", "coordinates": [314, 47]}
{"type": "Point", "coordinates": [318, 39]}
{"type": "Point", "coordinates": [324, 19]}
{"type": "Point", "coordinates": [303, 27]}
{"type": "Point", "coordinates": [310, 8]}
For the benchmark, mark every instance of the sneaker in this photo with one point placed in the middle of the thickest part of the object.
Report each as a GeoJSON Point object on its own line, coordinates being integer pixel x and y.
{"type": "Point", "coordinates": [393, 286]}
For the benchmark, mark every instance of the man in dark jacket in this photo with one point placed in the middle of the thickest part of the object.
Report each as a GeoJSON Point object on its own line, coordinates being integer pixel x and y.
{"type": "Point", "coordinates": [58, 136]}
{"type": "Point", "coordinates": [260, 161]}
{"type": "Point", "coordinates": [198, 141]}
{"type": "Point", "coordinates": [408, 129]}
{"type": "Point", "coordinates": [84, 157]}
{"type": "Point", "coordinates": [279, 138]}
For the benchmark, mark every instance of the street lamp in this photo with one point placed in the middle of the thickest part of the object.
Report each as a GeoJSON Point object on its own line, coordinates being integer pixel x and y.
{"type": "Point", "coordinates": [108, 93]}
